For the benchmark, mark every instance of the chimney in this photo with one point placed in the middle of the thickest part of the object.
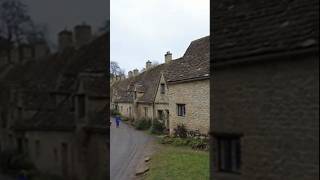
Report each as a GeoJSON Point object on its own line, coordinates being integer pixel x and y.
{"type": "Point", "coordinates": [148, 65]}
{"type": "Point", "coordinates": [130, 74]}
{"type": "Point", "coordinates": [135, 72]}
{"type": "Point", "coordinates": [167, 57]}
{"type": "Point", "coordinates": [83, 34]}
{"type": "Point", "coordinates": [41, 50]}
{"type": "Point", "coordinates": [25, 52]}
{"type": "Point", "coordinates": [65, 39]}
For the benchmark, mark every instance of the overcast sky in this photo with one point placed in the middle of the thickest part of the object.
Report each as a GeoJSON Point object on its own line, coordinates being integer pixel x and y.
{"type": "Point", "coordinates": [144, 30]}
{"type": "Point", "coordinates": [61, 14]}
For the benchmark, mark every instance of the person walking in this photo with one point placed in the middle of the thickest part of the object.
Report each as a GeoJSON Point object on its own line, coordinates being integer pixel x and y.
{"type": "Point", "coordinates": [118, 119]}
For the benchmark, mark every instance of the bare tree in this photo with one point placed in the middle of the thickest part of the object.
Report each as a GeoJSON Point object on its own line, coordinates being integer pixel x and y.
{"type": "Point", "coordinates": [16, 26]}
{"type": "Point", "coordinates": [115, 69]}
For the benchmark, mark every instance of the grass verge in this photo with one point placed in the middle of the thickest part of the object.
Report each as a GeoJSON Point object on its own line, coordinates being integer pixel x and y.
{"type": "Point", "coordinates": [178, 163]}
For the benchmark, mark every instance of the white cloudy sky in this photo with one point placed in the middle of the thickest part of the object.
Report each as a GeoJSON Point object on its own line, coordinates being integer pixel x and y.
{"type": "Point", "coordinates": [144, 30]}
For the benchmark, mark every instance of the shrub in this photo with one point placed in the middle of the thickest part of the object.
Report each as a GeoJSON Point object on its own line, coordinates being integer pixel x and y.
{"type": "Point", "coordinates": [199, 143]}
{"type": "Point", "coordinates": [13, 162]}
{"type": "Point", "coordinates": [194, 143]}
{"type": "Point", "coordinates": [158, 127]}
{"type": "Point", "coordinates": [181, 131]}
{"type": "Point", "coordinates": [114, 112]}
{"type": "Point", "coordinates": [142, 124]}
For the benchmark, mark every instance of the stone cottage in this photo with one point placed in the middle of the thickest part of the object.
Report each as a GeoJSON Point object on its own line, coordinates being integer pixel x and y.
{"type": "Point", "coordinates": [175, 92]}
{"type": "Point", "coordinates": [55, 111]}
{"type": "Point", "coordinates": [265, 108]}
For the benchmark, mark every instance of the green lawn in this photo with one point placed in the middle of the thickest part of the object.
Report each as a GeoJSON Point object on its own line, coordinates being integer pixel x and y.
{"type": "Point", "coordinates": [179, 163]}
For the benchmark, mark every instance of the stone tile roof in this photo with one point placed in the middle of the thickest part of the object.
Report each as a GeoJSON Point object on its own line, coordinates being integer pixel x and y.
{"type": "Point", "coordinates": [250, 28]}
{"type": "Point", "coordinates": [90, 58]}
{"type": "Point", "coordinates": [194, 65]}
{"type": "Point", "coordinates": [95, 86]}
{"type": "Point", "coordinates": [60, 119]}
{"type": "Point", "coordinates": [57, 74]}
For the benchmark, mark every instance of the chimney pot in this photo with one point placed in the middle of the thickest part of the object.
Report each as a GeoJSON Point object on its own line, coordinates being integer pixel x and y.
{"type": "Point", "coordinates": [168, 57]}
{"type": "Point", "coordinates": [148, 65]}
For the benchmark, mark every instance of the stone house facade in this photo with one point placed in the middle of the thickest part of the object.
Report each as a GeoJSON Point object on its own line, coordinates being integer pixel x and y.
{"type": "Point", "coordinates": [155, 93]}
{"type": "Point", "coordinates": [265, 111]}
{"type": "Point", "coordinates": [55, 111]}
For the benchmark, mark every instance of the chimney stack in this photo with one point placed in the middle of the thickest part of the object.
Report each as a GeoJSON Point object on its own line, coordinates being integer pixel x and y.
{"type": "Point", "coordinates": [167, 57]}
{"type": "Point", "coordinates": [148, 65]}
{"type": "Point", "coordinates": [65, 39]}
{"type": "Point", "coordinates": [83, 34]}
{"type": "Point", "coordinates": [135, 72]}
{"type": "Point", "coordinates": [130, 74]}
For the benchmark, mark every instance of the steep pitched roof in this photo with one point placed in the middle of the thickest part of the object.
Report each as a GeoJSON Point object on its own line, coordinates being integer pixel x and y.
{"type": "Point", "coordinates": [194, 65]}
{"type": "Point", "coordinates": [250, 28]}
{"type": "Point", "coordinates": [95, 85]}
{"type": "Point", "coordinates": [90, 59]}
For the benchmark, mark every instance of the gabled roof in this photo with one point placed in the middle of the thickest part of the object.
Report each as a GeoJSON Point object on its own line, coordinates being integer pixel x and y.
{"type": "Point", "coordinates": [251, 28]}
{"type": "Point", "coordinates": [56, 74]}
{"type": "Point", "coordinates": [95, 85]}
{"type": "Point", "coordinates": [194, 65]}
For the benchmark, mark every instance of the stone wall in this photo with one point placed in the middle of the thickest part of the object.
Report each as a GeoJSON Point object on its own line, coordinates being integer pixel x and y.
{"type": "Point", "coordinates": [50, 150]}
{"type": "Point", "coordinates": [195, 95]}
{"type": "Point", "coordinates": [124, 109]}
{"type": "Point", "coordinates": [275, 105]}
{"type": "Point", "coordinates": [141, 111]}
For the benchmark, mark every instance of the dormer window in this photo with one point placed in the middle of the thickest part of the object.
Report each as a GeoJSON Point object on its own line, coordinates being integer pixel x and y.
{"type": "Point", "coordinates": [162, 88]}
{"type": "Point", "coordinates": [81, 106]}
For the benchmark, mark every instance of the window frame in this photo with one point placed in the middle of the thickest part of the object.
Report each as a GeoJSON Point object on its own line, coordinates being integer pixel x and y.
{"type": "Point", "coordinates": [233, 157]}
{"type": "Point", "coordinates": [181, 110]}
{"type": "Point", "coordinates": [162, 88]}
{"type": "Point", "coordinates": [81, 105]}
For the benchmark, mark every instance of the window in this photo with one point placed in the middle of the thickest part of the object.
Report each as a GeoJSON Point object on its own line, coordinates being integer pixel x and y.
{"type": "Point", "coordinates": [26, 145]}
{"type": "Point", "coordinates": [229, 153]}
{"type": "Point", "coordinates": [20, 145]}
{"type": "Point", "coordinates": [38, 148]}
{"type": "Point", "coordinates": [160, 114]}
{"type": "Point", "coordinates": [55, 154]}
{"type": "Point", "coordinates": [181, 109]}
{"type": "Point", "coordinates": [4, 119]}
{"type": "Point", "coordinates": [145, 111]}
{"type": "Point", "coordinates": [162, 88]}
{"type": "Point", "coordinates": [81, 106]}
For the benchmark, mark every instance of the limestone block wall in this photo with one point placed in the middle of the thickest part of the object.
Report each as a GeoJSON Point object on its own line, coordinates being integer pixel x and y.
{"type": "Point", "coordinates": [47, 155]}
{"type": "Point", "coordinates": [275, 105]}
{"type": "Point", "coordinates": [141, 111]}
{"type": "Point", "coordinates": [124, 109]}
{"type": "Point", "coordinates": [195, 95]}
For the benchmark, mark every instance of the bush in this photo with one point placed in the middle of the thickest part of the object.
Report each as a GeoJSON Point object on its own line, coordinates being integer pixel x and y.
{"type": "Point", "coordinates": [114, 112]}
{"type": "Point", "coordinates": [181, 131]}
{"type": "Point", "coordinates": [194, 143]}
{"type": "Point", "coordinates": [199, 143]}
{"type": "Point", "coordinates": [158, 127]}
{"type": "Point", "coordinates": [142, 124]}
{"type": "Point", "coordinates": [12, 162]}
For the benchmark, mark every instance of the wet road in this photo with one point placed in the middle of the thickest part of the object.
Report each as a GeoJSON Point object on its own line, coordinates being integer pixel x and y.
{"type": "Point", "coordinates": [127, 150]}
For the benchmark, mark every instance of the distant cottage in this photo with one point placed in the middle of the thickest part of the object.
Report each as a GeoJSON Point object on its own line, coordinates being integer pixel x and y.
{"type": "Point", "coordinates": [55, 110]}
{"type": "Point", "coordinates": [176, 92]}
